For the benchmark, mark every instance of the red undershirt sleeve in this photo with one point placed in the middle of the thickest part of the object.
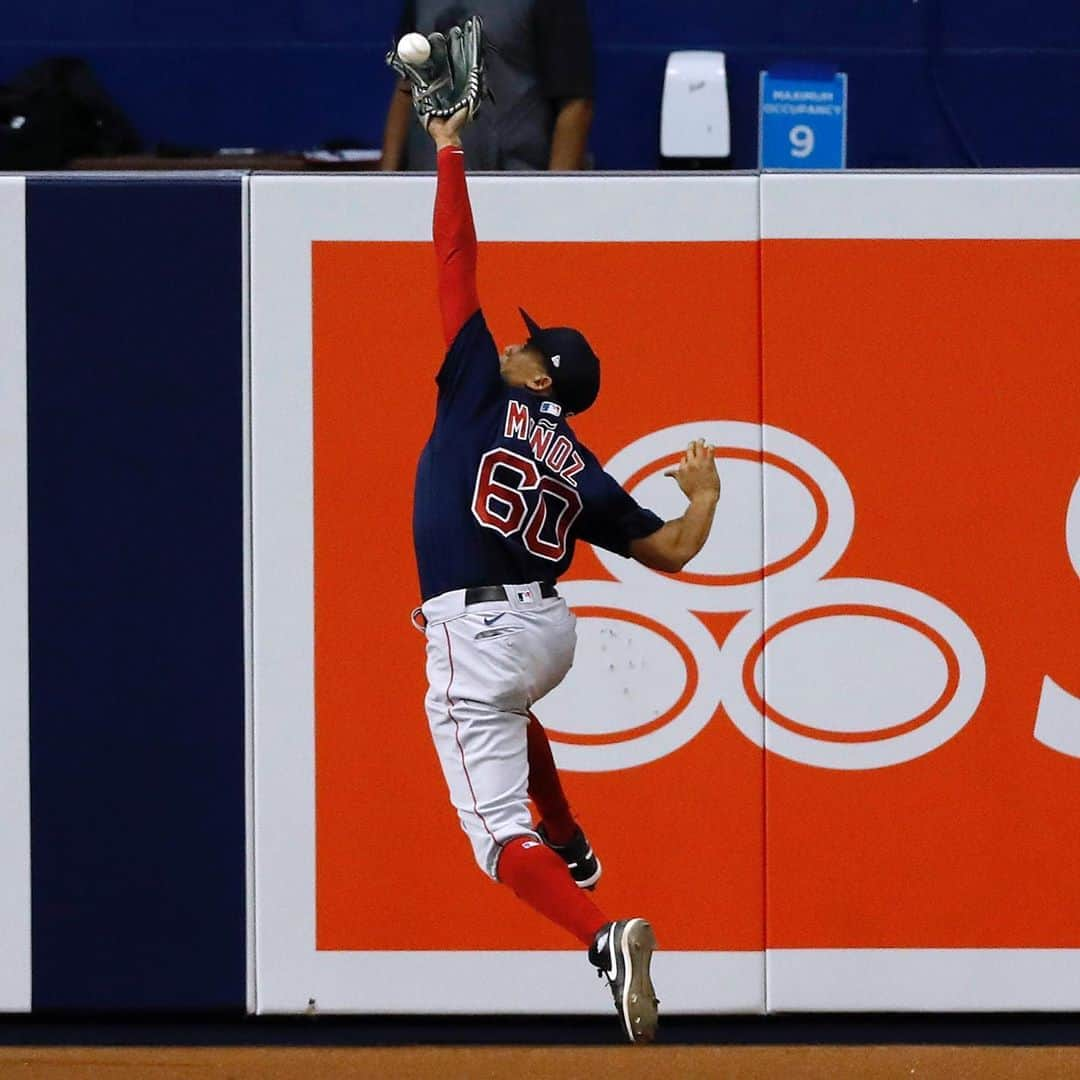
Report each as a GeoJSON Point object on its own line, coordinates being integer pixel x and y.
{"type": "Point", "coordinates": [455, 244]}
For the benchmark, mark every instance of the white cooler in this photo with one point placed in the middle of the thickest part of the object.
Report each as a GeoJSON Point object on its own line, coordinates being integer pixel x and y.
{"type": "Point", "coordinates": [695, 121]}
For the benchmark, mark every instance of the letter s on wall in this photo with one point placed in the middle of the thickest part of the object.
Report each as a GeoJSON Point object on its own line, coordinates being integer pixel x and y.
{"type": "Point", "coordinates": [1057, 720]}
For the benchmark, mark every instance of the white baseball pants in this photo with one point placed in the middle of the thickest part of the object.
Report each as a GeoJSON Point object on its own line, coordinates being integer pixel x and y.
{"type": "Point", "coordinates": [487, 664]}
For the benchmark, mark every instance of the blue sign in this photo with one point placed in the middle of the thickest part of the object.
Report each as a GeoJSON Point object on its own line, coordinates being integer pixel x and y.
{"type": "Point", "coordinates": [802, 118]}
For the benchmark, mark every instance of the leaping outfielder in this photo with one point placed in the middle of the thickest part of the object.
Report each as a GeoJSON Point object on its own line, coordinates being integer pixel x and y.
{"type": "Point", "coordinates": [503, 490]}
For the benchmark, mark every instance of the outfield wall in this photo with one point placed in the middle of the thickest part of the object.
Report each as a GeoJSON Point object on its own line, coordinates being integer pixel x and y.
{"type": "Point", "coordinates": [835, 761]}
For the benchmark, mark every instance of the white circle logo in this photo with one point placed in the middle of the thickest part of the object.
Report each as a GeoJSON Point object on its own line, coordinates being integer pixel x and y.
{"type": "Point", "coordinates": [839, 673]}
{"type": "Point", "coordinates": [860, 674]}
{"type": "Point", "coordinates": [645, 681]}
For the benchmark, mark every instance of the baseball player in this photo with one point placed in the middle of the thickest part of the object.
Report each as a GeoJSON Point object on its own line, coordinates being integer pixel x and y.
{"type": "Point", "coordinates": [504, 488]}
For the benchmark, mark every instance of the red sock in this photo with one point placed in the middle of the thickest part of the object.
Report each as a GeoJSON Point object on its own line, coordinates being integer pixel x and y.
{"type": "Point", "coordinates": [539, 877]}
{"type": "Point", "coordinates": [545, 788]}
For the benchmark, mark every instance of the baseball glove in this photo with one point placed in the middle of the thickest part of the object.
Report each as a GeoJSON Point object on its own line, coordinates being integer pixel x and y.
{"type": "Point", "coordinates": [452, 78]}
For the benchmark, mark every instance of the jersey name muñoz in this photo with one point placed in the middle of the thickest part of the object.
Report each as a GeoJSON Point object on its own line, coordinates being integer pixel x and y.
{"type": "Point", "coordinates": [503, 486]}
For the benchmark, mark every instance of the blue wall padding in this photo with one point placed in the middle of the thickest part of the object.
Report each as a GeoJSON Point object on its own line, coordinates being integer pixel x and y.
{"type": "Point", "coordinates": [134, 309]}
{"type": "Point", "coordinates": [284, 74]}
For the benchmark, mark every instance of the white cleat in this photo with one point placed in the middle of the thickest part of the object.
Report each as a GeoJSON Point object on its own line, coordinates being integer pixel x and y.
{"type": "Point", "coordinates": [622, 952]}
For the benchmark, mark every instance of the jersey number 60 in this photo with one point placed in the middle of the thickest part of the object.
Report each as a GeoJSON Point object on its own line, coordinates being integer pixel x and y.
{"type": "Point", "coordinates": [500, 505]}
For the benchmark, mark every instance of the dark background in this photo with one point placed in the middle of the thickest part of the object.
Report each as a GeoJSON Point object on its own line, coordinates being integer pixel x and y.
{"type": "Point", "coordinates": [932, 83]}
{"type": "Point", "coordinates": [235, 1029]}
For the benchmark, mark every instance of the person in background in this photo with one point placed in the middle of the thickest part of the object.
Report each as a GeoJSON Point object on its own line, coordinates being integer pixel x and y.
{"type": "Point", "coordinates": [541, 76]}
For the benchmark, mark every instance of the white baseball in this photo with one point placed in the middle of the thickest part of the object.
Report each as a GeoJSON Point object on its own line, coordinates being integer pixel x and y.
{"type": "Point", "coordinates": [414, 49]}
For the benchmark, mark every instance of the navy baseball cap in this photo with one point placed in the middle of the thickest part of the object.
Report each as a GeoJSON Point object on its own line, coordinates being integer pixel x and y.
{"type": "Point", "coordinates": [571, 363]}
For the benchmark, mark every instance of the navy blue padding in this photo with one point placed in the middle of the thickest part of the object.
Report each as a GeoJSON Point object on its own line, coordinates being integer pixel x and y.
{"type": "Point", "coordinates": [136, 593]}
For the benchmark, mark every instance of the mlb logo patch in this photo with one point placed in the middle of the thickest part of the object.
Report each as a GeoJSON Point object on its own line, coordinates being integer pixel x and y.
{"type": "Point", "coordinates": [552, 408]}
{"type": "Point", "coordinates": [525, 596]}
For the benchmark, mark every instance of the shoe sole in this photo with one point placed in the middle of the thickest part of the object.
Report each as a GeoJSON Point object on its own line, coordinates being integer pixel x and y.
{"type": "Point", "coordinates": [638, 1005]}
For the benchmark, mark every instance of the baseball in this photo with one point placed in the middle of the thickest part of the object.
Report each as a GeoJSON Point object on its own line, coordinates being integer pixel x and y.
{"type": "Point", "coordinates": [414, 49]}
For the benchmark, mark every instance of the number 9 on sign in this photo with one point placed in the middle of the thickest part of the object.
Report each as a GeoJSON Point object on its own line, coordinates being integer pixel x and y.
{"type": "Point", "coordinates": [801, 137]}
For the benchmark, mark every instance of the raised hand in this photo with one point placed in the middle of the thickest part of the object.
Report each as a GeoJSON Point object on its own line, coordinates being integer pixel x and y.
{"type": "Point", "coordinates": [696, 474]}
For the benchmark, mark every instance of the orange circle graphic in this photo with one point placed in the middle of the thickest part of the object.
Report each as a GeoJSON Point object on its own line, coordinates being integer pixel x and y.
{"type": "Point", "coordinates": [952, 680]}
{"type": "Point", "coordinates": [687, 657]}
{"type": "Point", "coordinates": [821, 508]}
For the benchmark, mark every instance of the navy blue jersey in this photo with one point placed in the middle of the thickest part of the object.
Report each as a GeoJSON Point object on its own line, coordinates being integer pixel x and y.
{"type": "Point", "coordinates": [503, 487]}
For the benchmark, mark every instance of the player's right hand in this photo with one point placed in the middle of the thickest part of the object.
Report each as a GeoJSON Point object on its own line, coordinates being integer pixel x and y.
{"type": "Point", "coordinates": [696, 474]}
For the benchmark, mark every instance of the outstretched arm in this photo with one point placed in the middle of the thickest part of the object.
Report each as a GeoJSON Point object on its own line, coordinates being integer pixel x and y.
{"type": "Point", "coordinates": [673, 545]}
{"type": "Point", "coordinates": [453, 229]}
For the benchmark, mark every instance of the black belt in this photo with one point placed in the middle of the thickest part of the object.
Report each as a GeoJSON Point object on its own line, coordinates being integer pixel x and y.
{"type": "Point", "coordinates": [487, 594]}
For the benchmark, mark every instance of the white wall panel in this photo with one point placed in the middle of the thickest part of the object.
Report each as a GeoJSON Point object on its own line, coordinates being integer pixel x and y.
{"type": "Point", "coordinates": [920, 332]}
{"type": "Point", "coordinates": [952, 206]}
{"type": "Point", "coordinates": [14, 645]}
{"type": "Point", "coordinates": [924, 980]}
{"type": "Point", "coordinates": [288, 215]}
